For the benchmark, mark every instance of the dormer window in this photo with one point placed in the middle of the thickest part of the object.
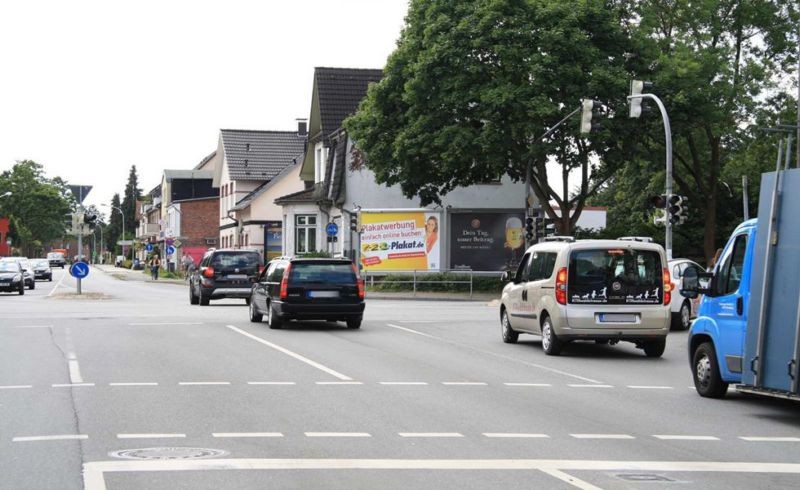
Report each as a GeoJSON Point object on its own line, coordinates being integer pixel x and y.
{"type": "Point", "coordinates": [247, 147]}
{"type": "Point", "coordinates": [245, 162]}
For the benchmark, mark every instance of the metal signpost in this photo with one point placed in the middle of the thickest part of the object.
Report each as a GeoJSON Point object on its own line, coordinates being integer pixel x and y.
{"type": "Point", "coordinates": [332, 230]}
{"type": "Point", "coordinates": [79, 270]}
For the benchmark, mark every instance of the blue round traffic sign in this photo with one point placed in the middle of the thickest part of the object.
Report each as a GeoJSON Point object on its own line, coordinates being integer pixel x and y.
{"type": "Point", "coordinates": [332, 229]}
{"type": "Point", "coordinates": [149, 247]}
{"type": "Point", "coordinates": [170, 250]}
{"type": "Point", "coordinates": [79, 270]}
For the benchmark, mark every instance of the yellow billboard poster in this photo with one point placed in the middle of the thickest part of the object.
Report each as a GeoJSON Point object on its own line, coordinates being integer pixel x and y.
{"type": "Point", "coordinates": [400, 241]}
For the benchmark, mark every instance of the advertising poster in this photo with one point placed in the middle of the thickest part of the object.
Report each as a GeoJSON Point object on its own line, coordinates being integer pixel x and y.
{"type": "Point", "coordinates": [400, 241]}
{"type": "Point", "coordinates": [486, 241]}
{"type": "Point", "coordinates": [273, 240]}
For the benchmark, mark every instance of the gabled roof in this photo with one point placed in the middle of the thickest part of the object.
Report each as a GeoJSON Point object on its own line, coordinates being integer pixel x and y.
{"type": "Point", "coordinates": [259, 155]}
{"type": "Point", "coordinates": [205, 160]}
{"type": "Point", "coordinates": [340, 90]}
{"type": "Point", "coordinates": [170, 175]}
{"type": "Point", "coordinates": [306, 195]}
{"type": "Point", "coordinates": [245, 202]}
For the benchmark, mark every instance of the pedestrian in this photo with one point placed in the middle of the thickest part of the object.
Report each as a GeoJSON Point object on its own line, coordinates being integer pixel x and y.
{"type": "Point", "coordinates": [188, 264]}
{"type": "Point", "coordinates": [155, 263]}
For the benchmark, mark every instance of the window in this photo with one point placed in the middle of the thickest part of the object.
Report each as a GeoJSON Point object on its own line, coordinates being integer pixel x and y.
{"type": "Point", "coordinates": [522, 270]}
{"type": "Point", "coordinates": [322, 273]}
{"type": "Point", "coordinates": [542, 266]}
{"type": "Point", "coordinates": [615, 276]}
{"type": "Point", "coordinates": [305, 236]}
{"type": "Point", "coordinates": [731, 268]}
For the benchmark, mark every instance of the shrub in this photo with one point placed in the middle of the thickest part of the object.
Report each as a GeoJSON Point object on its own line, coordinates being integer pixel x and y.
{"type": "Point", "coordinates": [404, 282]}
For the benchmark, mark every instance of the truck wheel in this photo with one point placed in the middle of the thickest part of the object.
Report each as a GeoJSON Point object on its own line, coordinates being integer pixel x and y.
{"type": "Point", "coordinates": [655, 348]}
{"type": "Point", "coordinates": [551, 344]}
{"type": "Point", "coordinates": [510, 336]}
{"type": "Point", "coordinates": [707, 380]}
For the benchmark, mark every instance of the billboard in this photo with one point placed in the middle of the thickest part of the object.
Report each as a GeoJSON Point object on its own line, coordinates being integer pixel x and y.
{"type": "Point", "coordinates": [486, 241]}
{"type": "Point", "coordinates": [399, 241]}
{"type": "Point", "coordinates": [273, 240]}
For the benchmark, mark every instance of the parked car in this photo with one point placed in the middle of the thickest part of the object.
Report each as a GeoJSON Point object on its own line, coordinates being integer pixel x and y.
{"type": "Point", "coordinates": [682, 309]}
{"type": "Point", "coordinates": [119, 260]}
{"type": "Point", "coordinates": [27, 270]}
{"type": "Point", "coordinates": [308, 289]}
{"type": "Point", "coordinates": [225, 273]}
{"type": "Point", "coordinates": [11, 277]}
{"type": "Point", "coordinates": [602, 290]}
{"type": "Point", "coordinates": [56, 259]}
{"type": "Point", "coordinates": [41, 269]}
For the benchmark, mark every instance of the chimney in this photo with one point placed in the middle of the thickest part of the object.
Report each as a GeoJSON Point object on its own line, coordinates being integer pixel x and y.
{"type": "Point", "coordinates": [302, 127]}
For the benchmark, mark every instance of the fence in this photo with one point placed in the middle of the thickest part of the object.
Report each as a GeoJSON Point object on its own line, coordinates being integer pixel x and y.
{"type": "Point", "coordinates": [426, 277]}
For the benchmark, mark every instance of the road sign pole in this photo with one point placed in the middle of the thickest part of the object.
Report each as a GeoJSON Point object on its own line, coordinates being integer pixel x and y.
{"type": "Point", "coordinates": [80, 252]}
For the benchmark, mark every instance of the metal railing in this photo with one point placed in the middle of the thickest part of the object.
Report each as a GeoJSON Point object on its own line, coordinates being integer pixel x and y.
{"type": "Point", "coordinates": [419, 277]}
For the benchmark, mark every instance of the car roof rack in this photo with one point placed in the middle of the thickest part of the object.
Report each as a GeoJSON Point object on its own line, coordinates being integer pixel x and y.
{"type": "Point", "coordinates": [644, 239]}
{"type": "Point", "coordinates": [559, 238]}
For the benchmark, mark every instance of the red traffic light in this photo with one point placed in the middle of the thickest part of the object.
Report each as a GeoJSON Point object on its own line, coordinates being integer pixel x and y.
{"type": "Point", "coordinates": [658, 201]}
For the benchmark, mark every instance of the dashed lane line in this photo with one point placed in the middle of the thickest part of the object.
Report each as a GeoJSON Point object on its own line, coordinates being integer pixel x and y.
{"type": "Point", "coordinates": [61, 437]}
{"type": "Point", "coordinates": [338, 434]}
{"type": "Point", "coordinates": [204, 383]}
{"type": "Point", "coordinates": [590, 386]}
{"type": "Point", "coordinates": [511, 435]}
{"type": "Point", "coordinates": [430, 434]}
{"type": "Point", "coordinates": [15, 387]}
{"type": "Point", "coordinates": [602, 436]}
{"type": "Point", "coordinates": [538, 385]}
{"type": "Point", "coordinates": [678, 437]}
{"type": "Point", "coordinates": [246, 434]}
{"type": "Point", "coordinates": [339, 383]}
{"type": "Point", "coordinates": [464, 383]}
{"type": "Point", "coordinates": [271, 383]}
{"type": "Point", "coordinates": [160, 324]}
{"type": "Point", "coordinates": [638, 387]}
{"type": "Point", "coordinates": [71, 385]}
{"type": "Point", "coordinates": [150, 436]}
{"type": "Point", "coordinates": [403, 383]}
{"type": "Point", "coordinates": [769, 439]}
{"type": "Point", "coordinates": [134, 384]}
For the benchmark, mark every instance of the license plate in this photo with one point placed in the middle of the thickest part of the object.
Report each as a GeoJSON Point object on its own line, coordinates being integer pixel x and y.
{"type": "Point", "coordinates": [237, 276]}
{"type": "Point", "coordinates": [323, 294]}
{"type": "Point", "coordinates": [617, 318]}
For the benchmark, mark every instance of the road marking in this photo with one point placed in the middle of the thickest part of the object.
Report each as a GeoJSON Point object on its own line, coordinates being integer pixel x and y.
{"type": "Point", "coordinates": [71, 385]}
{"type": "Point", "coordinates": [15, 387]}
{"type": "Point", "coordinates": [575, 482]}
{"type": "Point", "coordinates": [292, 354]}
{"type": "Point", "coordinates": [590, 386]}
{"type": "Point", "coordinates": [338, 434]}
{"type": "Point", "coordinates": [65, 437]}
{"type": "Point", "coordinates": [203, 383]}
{"type": "Point", "coordinates": [510, 435]}
{"type": "Point", "coordinates": [150, 436]}
{"type": "Point", "coordinates": [494, 354]}
{"type": "Point", "coordinates": [770, 439]}
{"type": "Point", "coordinates": [339, 383]}
{"type": "Point", "coordinates": [685, 438]}
{"type": "Point", "coordinates": [404, 383]}
{"type": "Point", "coordinates": [528, 384]}
{"type": "Point", "coordinates": [276, 383]}
{"type": "Point", "coordinates": [247, 434]}
{"type": "Point", "coordinates": [430, 434]}
{"type": "Point", "coordinates": [635, 387]}
{"type": "Point", "coordinates": [602, 436]}
{"type": "Point", "coordinates": [71, 356]}
{"type": "Point", "coordinates": [57, 285]}
{"type": "Point", "coordinates": [32, 326]}
{"type": "Point", "coordinates": [464, 383]}
{"type": "Point", "coordinates": [94, 472]}
{"type": "Point", "coordinates": [158, 324]}
{"type": "Point", "coordinates": [75, 372]}
{"type": "Point", "coordinates": [132, 384]}
{"type": "Point", "coordinates": [418, 321]}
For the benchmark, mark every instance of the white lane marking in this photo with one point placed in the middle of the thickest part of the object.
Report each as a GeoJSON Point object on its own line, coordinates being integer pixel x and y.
{"type": "Point", "coordinates": [494, 354]}
{"type": "Point", "coordinates": [57, 285]}
{"type": "Point", "coordinates": [276, 383]}
{"type": "Point", "coordinates": [94, 472]}
{"type": "Point", "coordinates": [528, 384]}
{"type": "Point", "coordinates": [404, 383]}
{"type": "Point", "coordinates": [338, 434]}
{"type": "Point", "coordinates": [511, 435]}
{"type": "Point", "coordinates": [246, 434]}
{"type": "Point", "coordinates": [418, 321]}
{"type": "Point", "coordinates": [636, 387]}
{"type": "Point", "coordinates": [150, 436]}
{"type": "Point", "coordinates": [156, 324]}
{"type": "Point", "coordinates": [71, 356]}
{"type": "Point", "coordinates": [575, 482]}
{"type": "Point", "coordinates": [678, 437]}
{"type": "Point", "coordinates": [464, 383]}
{"type": "Point", "coordinates": [203, 383]}
{"type": "Point", "coordinates": [602, 436]}
{"type": "Point", "coordinates": [15, 387]}
{"type": "Point", "coordinates": [339, 383]}
{"type": "Point", "coordinates": [429, 434]}
{"type": "Point", "coordinates": [32, 326]}
{"type": "Point", "coordinates": [590, 386]}
{"type": "Point", "coordinates": [292, 354]}
{"type": "Point", "coordinates": [75, 372]}
{"type": "Point", "coordinates": [65, 437]}
{"type": "Point", "coordinates": [70, 385]}
{"type": "Point", "coordinates": [133, 384]}
{"type": "Point", "coordinates": [770, 439]}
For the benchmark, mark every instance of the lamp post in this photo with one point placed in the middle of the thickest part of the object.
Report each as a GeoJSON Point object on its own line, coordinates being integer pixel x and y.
{"type": "Point", "coordinates": [123, 227]}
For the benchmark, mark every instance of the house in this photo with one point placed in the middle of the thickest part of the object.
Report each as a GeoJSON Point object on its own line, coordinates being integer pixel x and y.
{"type": "Point", "coordinates": [149, 224]}
{"type": "Point", "coordinates": [479, 227]}
{"type": "Point", "coordinates": [251, 168]}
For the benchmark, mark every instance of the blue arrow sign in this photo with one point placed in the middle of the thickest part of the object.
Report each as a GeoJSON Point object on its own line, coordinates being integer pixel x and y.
{"type": "Point", "coordinates": [79, 270]}
{"type": "Point", "coordinates": [170, 250]}
{"type": "Point", "coordinates": [332, 229]}
{"type": "Point", "coordinates": [149, 247]}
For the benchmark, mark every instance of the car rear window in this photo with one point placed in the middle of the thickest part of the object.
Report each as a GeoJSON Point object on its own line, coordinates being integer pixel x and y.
{"type": "Point", "coordinates": [615, 276]}
{"type": "Point", "coordinates": [322, 273]}
{"type": "Point", "coordinates": [9, 267]}
{"type": "Point", "coordinates": [236, 260]}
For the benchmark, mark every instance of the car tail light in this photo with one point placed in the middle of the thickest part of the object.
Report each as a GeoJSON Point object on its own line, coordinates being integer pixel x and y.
{"type": "Point", "coordinates": [285, 281]}
{"type": "Point", "coordinates": [667, 286]}
{"type": "Point", "coordinates": [561, 286]}
{"type": "Point", "coordinates": [360, 281]}
{"type": "Point", "coordinates": [208, 272]}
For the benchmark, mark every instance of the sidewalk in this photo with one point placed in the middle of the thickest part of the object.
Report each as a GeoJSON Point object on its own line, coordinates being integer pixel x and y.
{"type": "Point", "coordinates": [131, 275]}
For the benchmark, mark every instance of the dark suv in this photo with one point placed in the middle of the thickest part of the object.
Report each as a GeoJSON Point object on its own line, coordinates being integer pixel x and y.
{"type": "Point", "coordinates": [224, 273]}
{"type": "Point", "coordinates": [308, 289]}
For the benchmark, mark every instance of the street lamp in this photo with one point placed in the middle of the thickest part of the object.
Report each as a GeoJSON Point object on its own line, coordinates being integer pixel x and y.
{"type": "Point", "coordinates": [123, 226]}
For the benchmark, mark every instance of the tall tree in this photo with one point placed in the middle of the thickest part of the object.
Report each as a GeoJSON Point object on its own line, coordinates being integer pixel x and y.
{"type": "Point", "coordinates": [132, 194]}
{"type": "Point", "coordinates": [114, 230]}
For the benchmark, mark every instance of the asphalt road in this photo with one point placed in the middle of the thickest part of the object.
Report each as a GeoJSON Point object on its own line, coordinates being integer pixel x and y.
{"type": "Point", "coordinates": [424, 395]}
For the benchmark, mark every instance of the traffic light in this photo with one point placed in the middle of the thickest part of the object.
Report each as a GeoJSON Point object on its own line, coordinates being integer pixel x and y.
{"type": "Point", "coordinates": [590, 110]}
{"type": "Point", "coordinates": [353, 222]}
{"type": "Point", "coordinates": [90, 220]}
{"type": "Point", "coordinates": [658, 202]}
{"type": "Point", "coordinates": [637, 86]}
{"type": "Point", "coordinates": [676, 209]}
{"type": "Point", "coordinates": [530, 231]}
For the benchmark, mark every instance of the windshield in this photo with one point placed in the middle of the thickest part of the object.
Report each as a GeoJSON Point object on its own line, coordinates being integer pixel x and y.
{"type": "Point", "coordinates": [615, 276]}
{"type": "Point", "coordinates": [9, 267]}
{"type": "Point", "coordinates": [41, 263]}
{"type": "Point", "coordinates": [322, 273]}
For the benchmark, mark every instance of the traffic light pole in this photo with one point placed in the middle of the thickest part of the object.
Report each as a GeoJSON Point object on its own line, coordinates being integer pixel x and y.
{"type": "Point", "coordinates": [668, 137]}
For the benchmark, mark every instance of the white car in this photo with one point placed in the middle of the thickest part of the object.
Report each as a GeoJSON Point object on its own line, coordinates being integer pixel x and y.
{"type": "Point", "coordinates": [681, 308]}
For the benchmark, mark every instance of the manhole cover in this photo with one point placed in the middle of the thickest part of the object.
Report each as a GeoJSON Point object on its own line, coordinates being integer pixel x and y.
{"type": "Point", "coordinates": [168, 453]}
{"type": "Point", "coordinates": [643, 477]}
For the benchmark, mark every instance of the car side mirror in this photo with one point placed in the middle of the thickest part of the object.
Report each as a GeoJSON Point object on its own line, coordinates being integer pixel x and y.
{"type": "Point", "coordinates": [694, 282]}
{"type": "Point", "coordinates": [506, 277]}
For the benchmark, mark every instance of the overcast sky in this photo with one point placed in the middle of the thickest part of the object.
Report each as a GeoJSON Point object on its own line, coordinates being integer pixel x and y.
{"type": "Point", "coordinates": [89, 88]}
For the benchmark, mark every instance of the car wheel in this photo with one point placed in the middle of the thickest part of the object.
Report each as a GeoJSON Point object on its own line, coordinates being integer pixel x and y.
{"type": "Point", "coordinates": [686, 315]}
{"type": "Point", "coordinates": [272, 319]}
{"type": "Point", "coordinates": [50, 279]}
{"type": "Point", "coordinates": [707, 380]}
{"type": "Point", "coordinates": [510, 336]}
{"type": "Point", "coordinates": [204, 300]}
{"type": "Point", "coordinates": [551, 344]}
{"type": "Point", "coordinates": [354, 323]}
{"type": "Point", "coordinates": [21, 289]}
{"type": "Point", "coordinates": [193, 299]}
{"type": "Point", "coordinates": [33, 284]}
{"type": "Point", "coordinates": [255, 316]}
{"type": "Point", "coordinates": [654, 348]}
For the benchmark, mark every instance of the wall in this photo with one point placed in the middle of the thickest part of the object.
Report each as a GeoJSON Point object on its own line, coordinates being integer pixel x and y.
{"type": "Point", "coordinates": [263, 207]}
{"type": "Point", "coordinates": [199, 221]}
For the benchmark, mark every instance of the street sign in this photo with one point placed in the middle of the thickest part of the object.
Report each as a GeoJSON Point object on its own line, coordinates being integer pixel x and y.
{"type": "Point", "coordinates": [170, 241]}
{"type": "Point", "coordinates": [79, 270]}
{"type": "Point", "coordinates": [149, 247]}
{"type": "Point", "coordinates": [170, 250]}
{"type": "Point", "coordinates": [332, 229]}
{"type": "Point", "coordinates": [125, 242]}
{"type": "Point", "coordinates": [177, 243]}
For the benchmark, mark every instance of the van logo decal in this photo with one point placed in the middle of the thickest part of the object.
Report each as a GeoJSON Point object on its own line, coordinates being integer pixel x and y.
{"type": "Point", "coordinates": [616, 286]}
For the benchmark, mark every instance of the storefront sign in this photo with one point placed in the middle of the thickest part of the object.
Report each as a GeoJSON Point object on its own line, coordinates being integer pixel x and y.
{"type": "Point", "coordinates": [400, 241]}
{"type": "Point", "coordinates": [486, 241]}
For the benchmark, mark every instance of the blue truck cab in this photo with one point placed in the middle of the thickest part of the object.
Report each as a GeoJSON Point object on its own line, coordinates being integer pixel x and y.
{"type": "Point", "coordinates": [747, 330]}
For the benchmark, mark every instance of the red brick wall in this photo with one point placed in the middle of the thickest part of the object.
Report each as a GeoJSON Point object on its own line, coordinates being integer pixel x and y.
{"type": "Point", "coordinates": [199, 220]}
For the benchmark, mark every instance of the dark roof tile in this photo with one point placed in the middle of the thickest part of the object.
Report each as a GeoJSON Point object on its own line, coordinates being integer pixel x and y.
{"type": "Point", "coordinates": [259, 155]}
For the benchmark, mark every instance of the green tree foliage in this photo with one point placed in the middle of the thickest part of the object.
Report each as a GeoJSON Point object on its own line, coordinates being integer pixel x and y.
{"type": "Point", "coordinates": [114, 230]}
{"type": "Point", "coordinates": [132, 194]}
{"type": "Point", "coordinates": [472, 83]}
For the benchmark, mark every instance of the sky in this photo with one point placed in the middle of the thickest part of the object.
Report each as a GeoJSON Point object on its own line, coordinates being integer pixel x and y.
{"type": "Point", "coordinates": [89, 88]}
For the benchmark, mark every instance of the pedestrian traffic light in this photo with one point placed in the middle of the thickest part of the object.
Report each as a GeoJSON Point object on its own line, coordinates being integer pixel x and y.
{"type": "Point", "coordinates": [590, 111]}
{"type": "Point", "coordinates": [637, 86]}
{"type": "Point", "coordinates": [90, 219]}
{"type": "Point", "coordinates": [530, 231]}
{"type": "Point", "coordinates": [353, 222]}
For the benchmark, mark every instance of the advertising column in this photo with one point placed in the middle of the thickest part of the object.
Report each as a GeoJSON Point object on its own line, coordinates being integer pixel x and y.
{"type": "Point", "coordinates": [400, 241]}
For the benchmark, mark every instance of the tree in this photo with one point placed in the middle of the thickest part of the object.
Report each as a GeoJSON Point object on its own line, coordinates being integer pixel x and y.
{"type": "Point", "coordinates": [472, 83]}
{"type": "Point", "coordinates": [113, 232]}
{"type": "Point", "coordinates": [132, 194]}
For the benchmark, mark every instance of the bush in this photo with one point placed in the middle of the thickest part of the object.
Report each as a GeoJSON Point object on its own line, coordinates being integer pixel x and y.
{"type": "Point", "coordinates": [404, 282]}
{"type": "Point", "coordinates": [126, 264]}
